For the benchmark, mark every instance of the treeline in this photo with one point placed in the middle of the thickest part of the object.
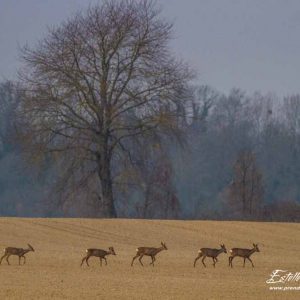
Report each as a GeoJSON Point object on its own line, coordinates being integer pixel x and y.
{"type": "Point", "coordinates": [234, 156]}
{"type": "Point", "coordinates": [104, 122]}
{"type": "Point", "coordinates": [244, 157]}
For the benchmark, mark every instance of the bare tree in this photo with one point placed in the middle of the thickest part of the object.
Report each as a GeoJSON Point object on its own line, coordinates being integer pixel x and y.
{"type": "Point", "coordinates": [9, 99]}
{"type": "Point", "coordinates": [150, 176]}
{"type": "Point", "coordinates": [100, 78]}
{"type": "Point", "coordinates": [291, 108]}
{"type": "Point", "coordinates": [245, 193]}
{"type": "Point", "coordinates": [160, 199]}
{"type": "Point", "coordinates": [203, 102]}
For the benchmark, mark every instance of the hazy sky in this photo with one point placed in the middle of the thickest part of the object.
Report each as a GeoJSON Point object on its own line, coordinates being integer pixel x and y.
{"type": "Point", "coordinates": [251, 44]}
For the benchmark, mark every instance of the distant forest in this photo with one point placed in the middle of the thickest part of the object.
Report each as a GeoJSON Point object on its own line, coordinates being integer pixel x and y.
{"type": "Point", "coordinates": [238, 158]}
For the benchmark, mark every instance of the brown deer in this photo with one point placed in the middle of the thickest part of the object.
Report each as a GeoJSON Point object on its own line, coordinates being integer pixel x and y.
{"type": "Point", "coordinates": [245, 253]}
{"type": "Point", "coordinates": [98, 253]}
{"type": "Point", "coordinates": [148, 251]}
{"type": "Point", "coordinates": [16, 251]}
{"type": "Point", "coordinates": [208, 252]}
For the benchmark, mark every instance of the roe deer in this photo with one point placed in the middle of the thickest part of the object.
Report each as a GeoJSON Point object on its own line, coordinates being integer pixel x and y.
{"type": "Point", "coordinates": [16, 251]}
{"type": "Point", "coordinates": [245, 253]}
{"type": "Point", "coordinates": [148, 251]}
{"type": "Point", "coordinates": [98, 253]}
{"type": "Point", "coordinates": [208, 252]}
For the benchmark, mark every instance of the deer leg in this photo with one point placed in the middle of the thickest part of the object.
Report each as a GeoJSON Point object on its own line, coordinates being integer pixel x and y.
{"type": "Point", "coordinates": [200, 254]}
{"type": "Point", "coordinates": [140, 259]}
{"type": "Point", "coordinates": [19, 260]}
{"type": "Point", "coordinates": [2, 258]}
{"type": "Point", "coordinates": [24, 259]}
{"type": "Point", "coordinates": [230, 261]}
{"type": "Point", "coordinates": [134, 259]}
{"type": "Point", "coordinates": [7, 258]}
{"type": "Point", "coordinates": [203, 261]}
{"type": "Point", "coordinates": [250, 261]}
{"type": "Point", "coordinates": [87, 260]}
{"type": "Point", "coordinates": [232, 257]}
{"type": "Point", "coordinates": [83, 260]}
{"type": "Point", "coordinates": [214, 261]}
{"type": "Point", "coordinates": [153, 260]}
{"type": "Point", "coordinates": [105, 260]}
{"type": "Point", "coordinates": [244, 262]}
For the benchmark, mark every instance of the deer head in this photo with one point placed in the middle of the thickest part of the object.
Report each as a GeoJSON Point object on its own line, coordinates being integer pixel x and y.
{"type": "Point", "coordinates": [112, 251]}
{"type": "Point", "coordinates": [256, 247]}
{"type": "Point", "coordinates": [223, 248]}
{"type": "Point", "coordinates": [164, 246]}
{"type": "Point", "coordinates": [30, 247]}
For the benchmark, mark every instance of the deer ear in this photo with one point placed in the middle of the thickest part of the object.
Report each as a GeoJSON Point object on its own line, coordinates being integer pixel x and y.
{"type": "Point", "coordinates": [254, 245]}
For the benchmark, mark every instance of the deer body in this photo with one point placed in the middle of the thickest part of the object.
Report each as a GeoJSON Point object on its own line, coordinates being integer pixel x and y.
{"type": "Point", "coordinates": [148, 251]}
{"type": "Point", "coordinates": [245, 253]}
{"type": "Point", "coordinates": [16, 251]}
{"type": "Point", "coordinates": [209, 252]}
{"type": "Point", "coordinates": [98, 253]}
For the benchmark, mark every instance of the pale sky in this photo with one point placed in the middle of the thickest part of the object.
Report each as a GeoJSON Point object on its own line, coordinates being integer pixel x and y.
{"type": "Point", "coordinates": [250, 44]}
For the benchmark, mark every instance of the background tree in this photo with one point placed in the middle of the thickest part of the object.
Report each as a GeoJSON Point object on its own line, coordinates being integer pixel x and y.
{"type": "Point", "coordinates": [102, 77]}
{"type": "Point", "coordinates": [9, 100]}
{"type": "Point", "coordinates": [245, 194]}
{"type": "Point", "coordinates": [21, 192]}
{"type": "Point", "coordinates": [153, 194]}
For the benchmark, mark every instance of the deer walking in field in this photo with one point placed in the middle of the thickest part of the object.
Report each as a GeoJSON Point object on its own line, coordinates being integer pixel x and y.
{"type": "Point", "coordinates": [98, 253]}
{"type": "Point", "coordinates": [148, 251]}
{"type": "Point", "coordinates": [208, 252]}
{"type": "Point", "coordinates": [245, 253]}
{"type": "Point", "coordinates": [16, 251]}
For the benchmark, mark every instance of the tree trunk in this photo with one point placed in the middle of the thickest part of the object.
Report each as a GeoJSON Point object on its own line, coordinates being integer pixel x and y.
{"type": "Point", "coordinates": [109, 210]}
